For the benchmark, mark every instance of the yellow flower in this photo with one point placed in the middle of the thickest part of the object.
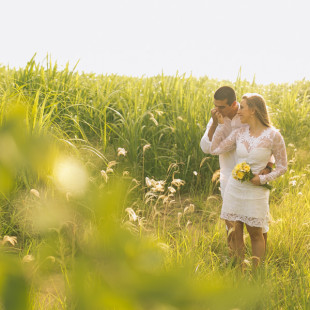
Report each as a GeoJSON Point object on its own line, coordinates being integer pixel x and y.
{"type": "Point", "coordinates": [238, 166]}
{"type": "Point", "coordinates": [234, 173]}
{"type": "Point", "coordinates": [246, 168]}
{"type": "Point", "coordinates": [240, 175]}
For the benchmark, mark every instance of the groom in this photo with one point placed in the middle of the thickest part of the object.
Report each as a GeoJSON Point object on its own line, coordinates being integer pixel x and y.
{"type": "Point", "coordinates": [225, 103]}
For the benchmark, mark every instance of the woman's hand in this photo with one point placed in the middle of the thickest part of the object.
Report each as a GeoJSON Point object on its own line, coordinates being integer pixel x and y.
{"type": "Point", "coordinates": [256, 180]}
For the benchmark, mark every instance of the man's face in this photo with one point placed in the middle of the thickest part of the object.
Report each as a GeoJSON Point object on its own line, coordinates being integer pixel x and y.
{"type": "Point", "coordinates": [222, 107]}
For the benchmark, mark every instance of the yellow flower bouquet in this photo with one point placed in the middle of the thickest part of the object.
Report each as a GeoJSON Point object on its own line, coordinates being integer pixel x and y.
{"type": "Point", "coordinates": [242, 172]}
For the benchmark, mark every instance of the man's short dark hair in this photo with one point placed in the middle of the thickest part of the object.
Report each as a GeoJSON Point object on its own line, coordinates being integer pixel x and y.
{"type": "Point", "coordinates": [225, 92]}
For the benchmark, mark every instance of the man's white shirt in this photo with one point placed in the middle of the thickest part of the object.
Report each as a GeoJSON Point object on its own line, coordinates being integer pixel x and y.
{"type": "Point", "coordinates": [228, 159]}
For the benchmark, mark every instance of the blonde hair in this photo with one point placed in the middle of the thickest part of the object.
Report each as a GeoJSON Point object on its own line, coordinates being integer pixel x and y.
{"type": "Point", "coordinates": [257, 102]}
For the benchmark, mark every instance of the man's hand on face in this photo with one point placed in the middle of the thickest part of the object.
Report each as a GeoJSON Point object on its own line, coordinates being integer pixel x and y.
{"type": "Point", "coordinates": [213, 115]}
{"type": "Point", "coordinates": [219, 117]}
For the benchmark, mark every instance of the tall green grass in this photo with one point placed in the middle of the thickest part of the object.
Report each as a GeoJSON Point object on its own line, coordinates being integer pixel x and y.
{"type": "Point", "coordinates": [170, 113]}
{"type": "Point", "coordinates": [97, 236]}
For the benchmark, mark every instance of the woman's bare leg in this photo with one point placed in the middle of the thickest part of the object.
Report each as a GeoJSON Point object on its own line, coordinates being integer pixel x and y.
{"type": "Point", "coordinates": [235, 239]}
{"type": "Point", "coordinates": [258, 244]}
{"type": "Point", "coordinates": [265, 238]}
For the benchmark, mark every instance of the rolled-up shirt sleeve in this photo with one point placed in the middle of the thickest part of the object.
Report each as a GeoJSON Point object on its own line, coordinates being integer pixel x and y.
{"type": "Point", "coordinates": [205, 143]}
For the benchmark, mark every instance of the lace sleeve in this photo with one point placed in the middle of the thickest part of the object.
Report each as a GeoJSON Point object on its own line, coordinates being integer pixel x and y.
{"type": "Point", "coordinates": [219, 144]}
{"type": "Point", "coordinates": [279, 153]}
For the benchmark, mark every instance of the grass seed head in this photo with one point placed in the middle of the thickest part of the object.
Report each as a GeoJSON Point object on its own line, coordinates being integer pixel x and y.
{"type": "Point", "coordinates": [147, 146]}
{"type": "Point", "coordinates": [121, 152]}
{"type": "Point", "coordinates": [109, 170]}
{"type": "Point", "coordinates": [35, 192]}
{"type": "Point", "coordinates": [163, 246]}
{"type": "Point", "coordinates": [28, 259]}
{"type": "Point", "coordinates": [159, 186]}
{"type": "Point", "coordinates": [104, 175]}
{"type": "Point", "coordinates": [166, 200]}
{"type": "Point", "coordinates": [8, 239]}
{"type": "Point", "coordinates": [171, 189]}
{"type": "Point", "coordinates": [177, 182]}
{"type": "Point", "coordinates": [160, 113]}
{"type": "Point", "coordinates": [51, 259]}
{"type": "Point", "coordinates": [232, 229]}
{"type": "Point", "coordinates": [179, 218]}
{"type": "Point", "coordinates": [189, 224]}
{"type": "Point", "coordinates": [216, 176]}
{"type": "Point", "coordinates": [189, 209]}
{"type": "Point", "coordinates": [132, 215]}
{"type": "Point", "coordinates": [112, 163]}
{"type": "Point", "coordinates": [148, 182]}
{"type": "Point", "coordinates": [154, 120]}
{"type": "Point", "coordinates": [135, 181]}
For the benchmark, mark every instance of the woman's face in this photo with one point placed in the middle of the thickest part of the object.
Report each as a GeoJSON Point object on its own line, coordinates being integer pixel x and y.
{"type": "Point", "coordinates": [245, 113]}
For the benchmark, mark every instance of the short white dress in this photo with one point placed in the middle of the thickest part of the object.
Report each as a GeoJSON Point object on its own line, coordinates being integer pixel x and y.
{"type": "Point", "coordinates": [244, 201]}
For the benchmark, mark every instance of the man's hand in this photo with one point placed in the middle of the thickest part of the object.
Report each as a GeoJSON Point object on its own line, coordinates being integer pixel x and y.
{"type": "Point", "coordinates": [213, 115]}
{"type": "Point", "coordinates": [219, 117]}
{"type": "Point", "coordinates": [266, 170]}
{"type": "Point", "coordinates": [214, 124]}
{"type": "Point", "coordinates": [256, 180]}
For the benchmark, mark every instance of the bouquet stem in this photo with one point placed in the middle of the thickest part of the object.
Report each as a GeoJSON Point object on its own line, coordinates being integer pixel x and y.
{"type": "Point", "coordinates": [267, 186]}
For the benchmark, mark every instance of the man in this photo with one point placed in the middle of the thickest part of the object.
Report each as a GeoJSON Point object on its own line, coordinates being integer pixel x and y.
{"type": "Point", "coordinates": [225, 103]}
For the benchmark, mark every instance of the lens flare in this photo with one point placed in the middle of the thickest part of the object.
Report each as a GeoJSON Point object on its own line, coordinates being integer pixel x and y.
{"type": "Point", "coordinates": [70, 176]}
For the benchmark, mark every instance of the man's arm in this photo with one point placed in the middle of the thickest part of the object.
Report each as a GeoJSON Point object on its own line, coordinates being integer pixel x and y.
{"type": "Point", "coordinates": [267, 169]}
{"type": "Point", "coordinates": [205, 143]}
{"type": "Point", "coordinates": [269, 166]}
{"type": "Point", "coordinates": [214, 124]}
{"type": "Point", "coordinates": [212, 131]}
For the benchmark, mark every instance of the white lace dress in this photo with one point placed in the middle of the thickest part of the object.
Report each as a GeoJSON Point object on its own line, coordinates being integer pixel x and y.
{"type": "Point", "coordinates": [244, 201]}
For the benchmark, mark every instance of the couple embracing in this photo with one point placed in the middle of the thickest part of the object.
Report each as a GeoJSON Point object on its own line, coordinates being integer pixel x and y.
{"type": "Point", "coordinates": [242, 133]}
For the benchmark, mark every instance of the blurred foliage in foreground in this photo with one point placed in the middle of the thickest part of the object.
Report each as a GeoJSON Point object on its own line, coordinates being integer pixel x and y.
{"type": "Point", "coordinates": [104, 264]}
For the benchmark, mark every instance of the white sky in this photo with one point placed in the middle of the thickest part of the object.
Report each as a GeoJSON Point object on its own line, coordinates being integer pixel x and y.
{"type": "Point", "coordinates": [268, 38]}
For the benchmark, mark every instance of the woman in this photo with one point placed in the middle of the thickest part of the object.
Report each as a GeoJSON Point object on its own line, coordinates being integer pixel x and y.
{"type": "Point", "coordinates": [248, 202]}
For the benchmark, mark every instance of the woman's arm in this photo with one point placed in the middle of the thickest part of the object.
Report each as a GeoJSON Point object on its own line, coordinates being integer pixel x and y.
{"type": "Point", "coordinates": [220, 144]}
{"type": "Point", "coordinates": [279, 153]}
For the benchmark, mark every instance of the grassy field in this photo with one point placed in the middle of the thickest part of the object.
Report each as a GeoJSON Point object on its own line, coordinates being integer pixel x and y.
{"type": "Point", "coordinates": [107, 201]}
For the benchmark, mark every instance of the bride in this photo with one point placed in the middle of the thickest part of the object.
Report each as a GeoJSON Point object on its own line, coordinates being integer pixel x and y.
{"type": "Point", "coordinates": [248, 202]}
